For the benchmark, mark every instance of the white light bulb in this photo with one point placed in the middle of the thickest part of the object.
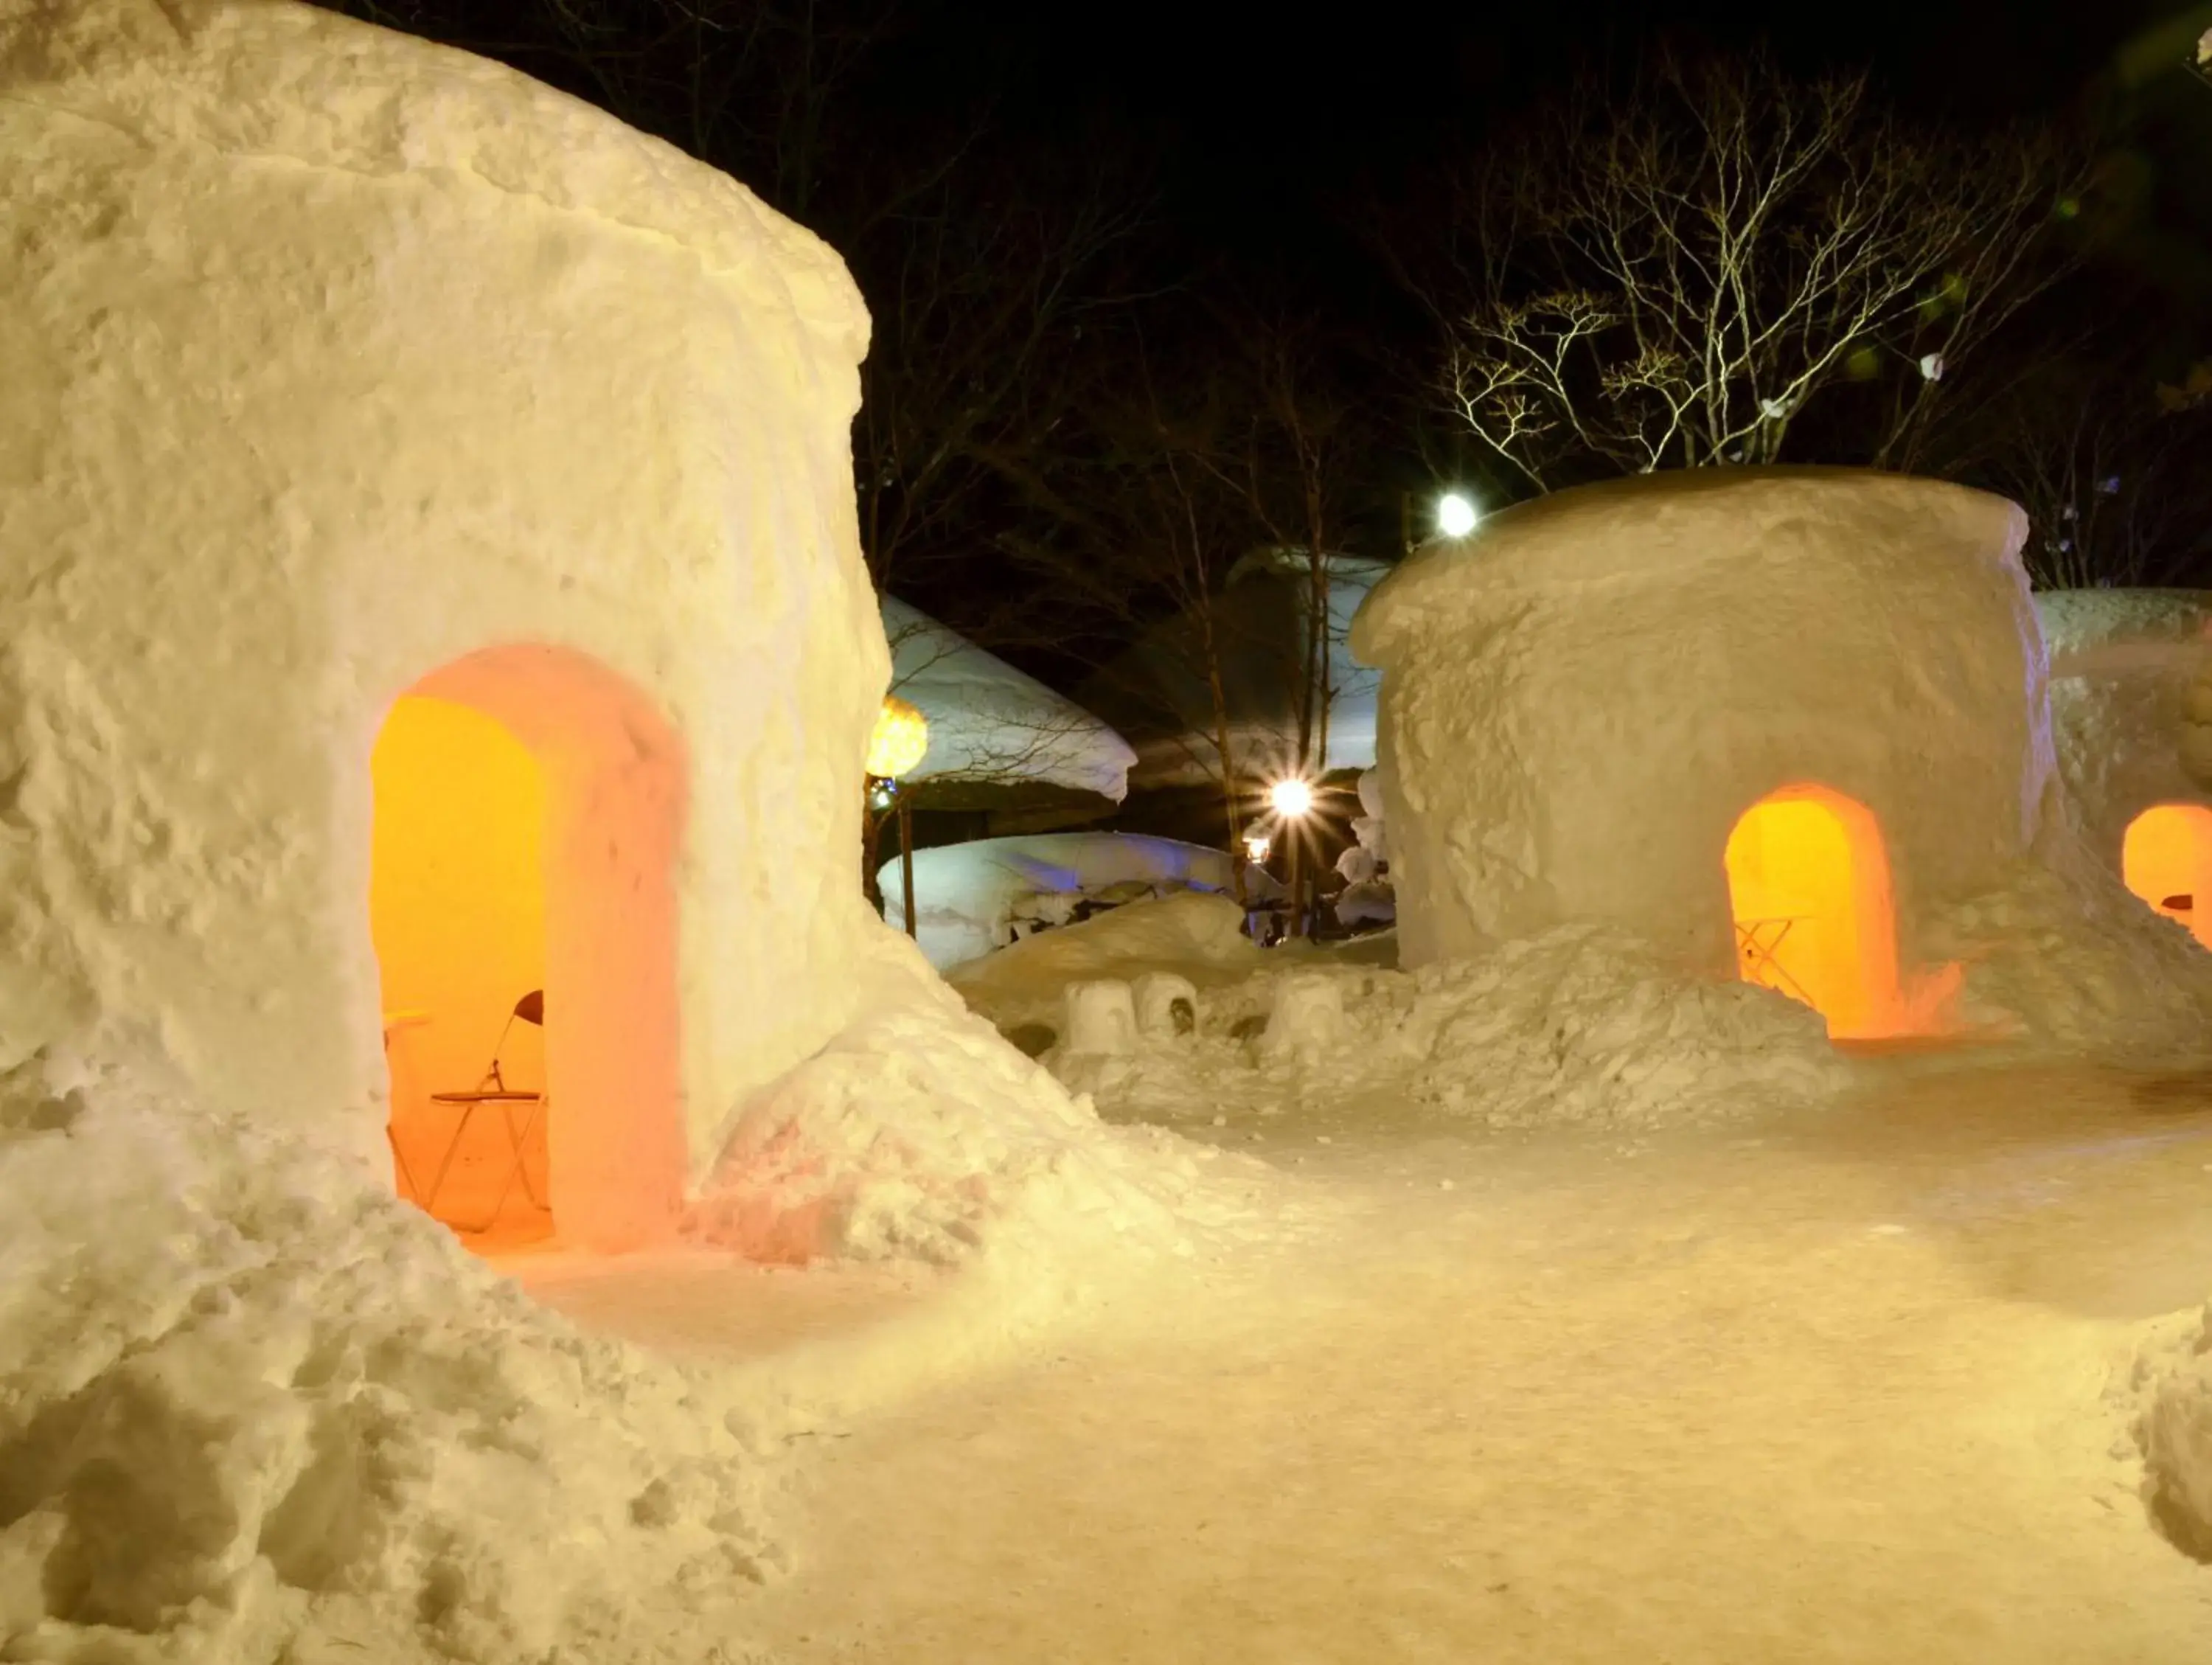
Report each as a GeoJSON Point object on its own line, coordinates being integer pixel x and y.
{"type": "Point", "coordinates": [1456, 515]}
{"type": "Point", "coordinates": [1291, 798]}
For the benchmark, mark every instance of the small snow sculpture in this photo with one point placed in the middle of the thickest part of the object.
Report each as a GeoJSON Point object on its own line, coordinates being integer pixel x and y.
{"type": "Point", "coordinates": [1306, 1018]}
{"type": "Point", "coordinates": [1367, 898]}
{"type": "Point", "coordinates": [1167, 1005]}
{"type": "Point", "coordinates": [1099, 1019]}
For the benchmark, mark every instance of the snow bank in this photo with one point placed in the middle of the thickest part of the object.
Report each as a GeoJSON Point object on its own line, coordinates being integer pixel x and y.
{"type": "Point", "coordinates": [249, 1400]}
{"type": "Point", "coordinates": [920, 1133]}
{"type": "Point", "coordinates": [1196, 936]}
{"type": "Point", "coordinates": [971, 898]}
{"type": "Point", "coordinates": [2172, 1382]}
{"type": "Point", "coordinates": [1581, 1025]}
{"type": "Point", "coordinates": [2061, 959]}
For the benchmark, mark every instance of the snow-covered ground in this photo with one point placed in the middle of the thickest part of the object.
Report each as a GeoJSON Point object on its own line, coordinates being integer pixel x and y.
{"type": "Point", "coordinates": [1673, 1334]}
{"type": "Point", "coordinates": [1852, 1385]}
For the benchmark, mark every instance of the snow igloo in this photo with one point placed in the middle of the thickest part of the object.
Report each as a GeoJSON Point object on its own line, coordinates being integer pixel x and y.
{"type": "Point", "coordinates": [427, 544]}
{"type": "Point", "coordinates": [1767, 718]}
{"type": "Point", "coordinates": [2131, 721]}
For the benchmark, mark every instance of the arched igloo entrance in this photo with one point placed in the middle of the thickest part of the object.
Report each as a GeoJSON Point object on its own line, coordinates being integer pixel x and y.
{"type": "Point", "coordinates": [2166, 858]}
{"type": "Point", "coordinates": [529, 811]}
{"type": "Point", "coordinates": [1810, 891]}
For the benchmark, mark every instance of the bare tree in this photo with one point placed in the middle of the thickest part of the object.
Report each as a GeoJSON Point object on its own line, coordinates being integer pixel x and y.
{"type": "Point", "coordinates": [982, 285]}
{"type": "Point", "coordinates": [1671, 277]}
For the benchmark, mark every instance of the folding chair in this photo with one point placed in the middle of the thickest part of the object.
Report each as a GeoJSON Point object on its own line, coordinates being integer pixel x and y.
{"type": "Point", "coordinates": [494, 1090]}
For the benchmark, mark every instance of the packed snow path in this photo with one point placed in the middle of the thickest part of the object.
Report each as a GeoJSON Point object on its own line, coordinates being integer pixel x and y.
{"type": "Point", "coordinates": [1842, 1389]}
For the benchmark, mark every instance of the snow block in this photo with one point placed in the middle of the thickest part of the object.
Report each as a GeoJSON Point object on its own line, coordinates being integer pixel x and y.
{"type": "Point", "coordinates": [1101, 1020]}
{"type": "Point", "coordinates": [1167, 1007]}
{"type": "Point", "coordinates": [1306, 1018]}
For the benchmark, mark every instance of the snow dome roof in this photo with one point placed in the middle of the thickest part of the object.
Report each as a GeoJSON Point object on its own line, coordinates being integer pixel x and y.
{"type": "Point", "coordinates": [269, 79]}
{"type": "Point", "coordinates": [1679, 522]}
{"type": "Point", "coordinates": [993, 724]}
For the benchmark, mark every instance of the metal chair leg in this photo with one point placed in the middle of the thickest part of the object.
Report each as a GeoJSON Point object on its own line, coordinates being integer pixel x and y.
{"type": "Point", "coordinates": [453, 1150]}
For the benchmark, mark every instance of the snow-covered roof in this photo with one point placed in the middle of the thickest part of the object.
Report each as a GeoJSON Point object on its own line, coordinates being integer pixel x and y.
{"type": "Point", "coordinates": [991, 724]}
{"type": "Point", "coordinates": [964, 894]}
{"type": "Point", "coordinates": [1682, 520]}
{"type": "Point", "coordinates": [269, 80]}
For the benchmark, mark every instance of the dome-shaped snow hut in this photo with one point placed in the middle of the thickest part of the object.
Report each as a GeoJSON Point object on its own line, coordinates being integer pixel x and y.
{"type": "Point", "coordinates": [370, 404]}
{"type": "Point", "coordinates": [2131, 722]}
{"type": "Point", "coordinates": [1760, 715]}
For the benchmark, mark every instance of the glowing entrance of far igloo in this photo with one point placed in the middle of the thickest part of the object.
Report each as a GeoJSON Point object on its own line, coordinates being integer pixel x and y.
{"type": "Point", "coordinates": [1810, 891]}
{"type": "Point", "coordinates": [2166, 858]}
{"type": "Point", "coordinates": [529, 806]}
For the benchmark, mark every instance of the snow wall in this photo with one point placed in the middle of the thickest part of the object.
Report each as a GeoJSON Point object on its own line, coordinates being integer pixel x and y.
{"type": "Point", "coordinates": [2131, 704]}
{"type": "Point", "coordinates": [1581, 699]}
{"type": "Point", "coordinates": [335, 362]}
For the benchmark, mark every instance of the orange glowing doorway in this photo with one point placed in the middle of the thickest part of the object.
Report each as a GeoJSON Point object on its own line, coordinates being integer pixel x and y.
{"type": "Point", "coordinates": [529, 812]}
{"type": "Point", "coordinates": [2166, 858]}
{"type": "Point", "coordinates": [1809, 889]}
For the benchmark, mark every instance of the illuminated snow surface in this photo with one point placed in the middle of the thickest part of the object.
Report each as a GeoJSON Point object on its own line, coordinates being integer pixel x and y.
{"type": "Point", "coordinates": [1326, 1376]}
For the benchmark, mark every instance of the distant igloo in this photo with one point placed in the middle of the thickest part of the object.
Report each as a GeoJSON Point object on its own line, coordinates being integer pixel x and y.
{"type": "Point", "coordinates": [2131, 720]}
{"type": "Point", "coordinates": [375, 415]}
{"type": "Point", "coordinates": [1768, 718]}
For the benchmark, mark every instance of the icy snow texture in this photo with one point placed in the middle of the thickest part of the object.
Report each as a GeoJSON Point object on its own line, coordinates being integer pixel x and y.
{"type": "Point", "coordinates": [988, 722]}
{"type": "Point", "coordinates": [921, 1134]}
{"type": "Point", "coordinates": [1581, 699]}
{"type": "Point", "coordinates": [1100, 1018]}
{"type": "Point", "coordinates": [1581, 1025]}
{"type": "Point", "coordinates": [2130, 703]}
{"type": "Point", "coordinates": [2173, 1380]}
{"type": "Point", "coordinates": [968, 896]}
{"type": "Point", "coordinates": [245, 1396]}
{"type": "Point", "coordinates": [1167, 1005]}
{"type": "Point", "coordinates": [503, 371]}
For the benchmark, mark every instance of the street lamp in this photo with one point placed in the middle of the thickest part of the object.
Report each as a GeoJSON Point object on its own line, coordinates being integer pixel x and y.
{"type": "Point", "coordinates": [1291, 798]}
{"type": "Point", "coordinates": [897, 747]}
{"type": "Point", "coordinates": [1455, 514]}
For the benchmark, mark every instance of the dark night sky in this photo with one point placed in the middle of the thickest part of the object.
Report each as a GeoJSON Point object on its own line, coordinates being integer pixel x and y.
{"type": "Point", "coordinates": [1268, 119]}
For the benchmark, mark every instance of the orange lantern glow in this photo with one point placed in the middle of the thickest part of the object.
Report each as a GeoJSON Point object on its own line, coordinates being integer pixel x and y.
{"type": "Point", "coordinates": [900, 740]}
{"type": "Point", "coordinates": [2166, 860]}
{"type": "Point", "coordinates": [528, 810]}
{"type": "Point", "coordinates": [1809, 887]}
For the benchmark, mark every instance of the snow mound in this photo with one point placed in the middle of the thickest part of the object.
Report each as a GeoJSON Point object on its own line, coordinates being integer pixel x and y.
{"type": "Point", "coordinates": [919, 1133]}
{"type": "Point", "coordinates": [1195, 935]}
{"type": "Point", "coordinates": [248, 1399]}
{"type": "Point", "coordinates": [1581, 1025]}
{"type": "Point", "coordinates": [989, 893]}
{"type": "Point", "coordinates": [2063, 959]}
{"type": "Point", "coordinates": [2174, 1377]}
{"type": "Point", "coordinates": [1585, 1025]}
